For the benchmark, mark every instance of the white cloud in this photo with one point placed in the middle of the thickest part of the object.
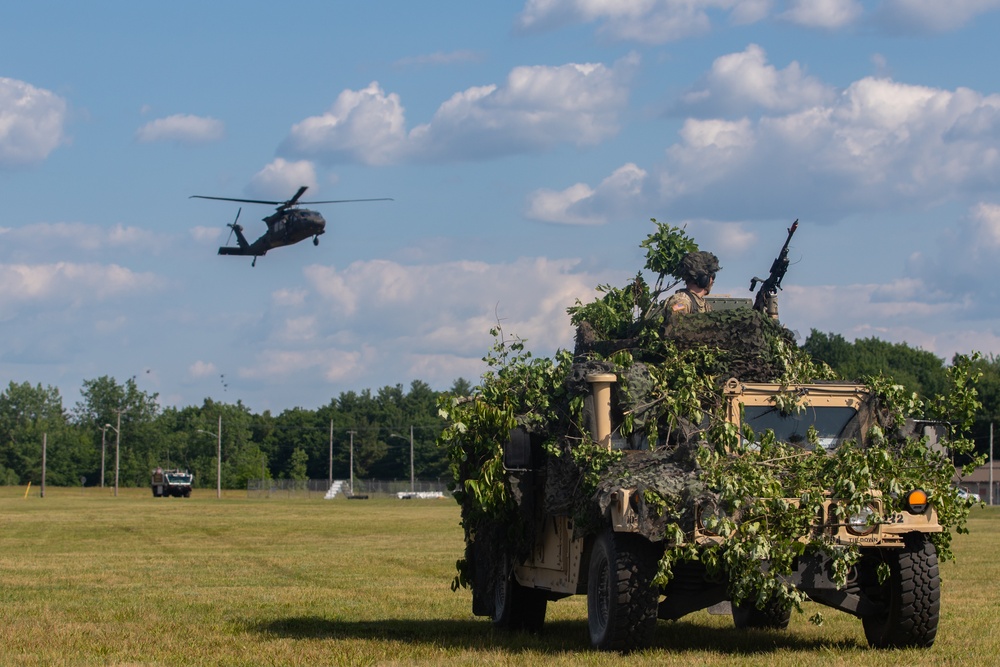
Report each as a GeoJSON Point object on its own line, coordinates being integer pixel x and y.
{"type": "Point", "coordinates": [42, 239]}
{"type": "Point", "coordinates": [182, 129]}
{"type": "Point", "coordinates": [281, 179]}
{"type": "Point", "coordinates": [201, 369]}
{"type": "Point", "coordinates": [649, 21]}
{"type": "Point", "coordinates": [745, 82]}
{"type": "Point", "coordinates": [65, 282]}
{"type": "Point", "coordinates": [930, 16]}
{"type": "Point", "coordinates": [430, 320]}
{"type": "Point", "coordinates": [827, 14]}
{"type": "Point", "coordinates": [31, 123]}
{"type": "Point", "coordinates": [576, 204]}
{"type": "Point", "coordinates": [364, 125]}
{"type": "Point", "coordinates": [535, 109]}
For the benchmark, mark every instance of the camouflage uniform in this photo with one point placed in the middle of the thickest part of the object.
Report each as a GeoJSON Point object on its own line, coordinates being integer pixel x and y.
{"type": "Point", "coordinates": [695, 268]}
{"type": "Point", "coordinates": [683, 302]}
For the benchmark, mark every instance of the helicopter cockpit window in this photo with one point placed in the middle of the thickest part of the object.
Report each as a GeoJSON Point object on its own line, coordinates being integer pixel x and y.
{"type": "Point", "coordinates": [833, 424]}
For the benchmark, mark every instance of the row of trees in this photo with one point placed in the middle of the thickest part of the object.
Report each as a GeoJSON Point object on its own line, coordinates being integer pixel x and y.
{"type": "Point", "coordinates": [297, 443]}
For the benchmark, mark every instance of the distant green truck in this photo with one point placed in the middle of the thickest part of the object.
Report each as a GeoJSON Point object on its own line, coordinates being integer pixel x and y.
{"type": "Point", "coordinates": [176, 483]}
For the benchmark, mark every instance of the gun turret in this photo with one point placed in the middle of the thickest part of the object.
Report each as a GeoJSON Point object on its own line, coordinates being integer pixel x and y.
{"type": "Point", "coordinates": [765, 300]}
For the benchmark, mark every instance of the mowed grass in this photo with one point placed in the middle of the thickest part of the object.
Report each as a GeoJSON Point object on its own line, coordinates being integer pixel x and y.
{"type": "Point", "coordinates": [89, 579]}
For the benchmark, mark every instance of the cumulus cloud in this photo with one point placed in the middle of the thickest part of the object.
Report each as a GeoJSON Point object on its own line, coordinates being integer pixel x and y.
{"type": "Point", "coordinates": [69, 283]}
{"type": "Point", "coordinates": [201, 369]}
{"type": "Point", "coordinates": [745, 82]}
{"type": "Point", "coordinates": [828, 14]}
{"type": "Point", "coordinates": [32, 123]}
{"type": "Point", "coordinates": [280, 179]}
{"type": "Point", "coordinates": [536, 108]}
{"type": "Point", "coordinates": [182, 129]}
{"type": "Point", "coordinates": [580, 204]}
{"type": "Point", "coordinates": [648, 21]}
{"type": "Point", "coordinates": [42, 239]}
{"type": "Point", "coordinates": [660, 21]}
{"type": "Point", "coordinates": [961, 269]}
{"type": "Point", "coordinates": [877, 144]}
{"type": "Point", "coordinates": [930, 16]}
{"type": "Point", "coordinates": [416, 315]}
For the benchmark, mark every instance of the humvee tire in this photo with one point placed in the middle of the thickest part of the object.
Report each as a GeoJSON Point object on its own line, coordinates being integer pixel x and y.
{"type": "Point", "coordinates": [774, 616]}
{"type": "Point", "coordinates": [911, 598]}
{"type": "Point", "coordinates": [516, 607]}
{"type": "Point", "coordinates": [621, 597]}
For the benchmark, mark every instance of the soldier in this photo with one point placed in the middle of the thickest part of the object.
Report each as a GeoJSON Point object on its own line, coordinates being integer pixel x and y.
{"type": "Point", "coordinates": [698, 271]}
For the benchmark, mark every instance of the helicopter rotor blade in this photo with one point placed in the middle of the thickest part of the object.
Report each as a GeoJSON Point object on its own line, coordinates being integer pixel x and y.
{"type": "Point", "coordinates": [291, 202]}
{"type": "Point", "coordinates": [245, 201]}
{"type": "Point", "coordinates": [345, 201]}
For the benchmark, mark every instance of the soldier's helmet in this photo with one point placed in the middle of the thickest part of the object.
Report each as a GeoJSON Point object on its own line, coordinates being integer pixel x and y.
{"type": "Point", "coordinates": [695, 265]}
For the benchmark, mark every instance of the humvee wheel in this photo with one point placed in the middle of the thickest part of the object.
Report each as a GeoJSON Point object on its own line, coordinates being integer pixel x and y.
{"type": "Point", "coordinates": [911, 598]}
{"type": "Point", "coordinates": [516, 607]}
{"type": "Point", "coordinates": [774, 616]}
{"type": "Point", "coordinates": [621, 598]}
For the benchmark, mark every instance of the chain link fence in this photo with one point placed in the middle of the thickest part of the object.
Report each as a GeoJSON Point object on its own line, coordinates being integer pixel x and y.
{"type": "Point", "coordinates": [321, 488]}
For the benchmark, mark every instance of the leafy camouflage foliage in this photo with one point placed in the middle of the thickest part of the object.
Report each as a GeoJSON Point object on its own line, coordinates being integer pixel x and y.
{"type": "Point", "coordinates": [669, 393]}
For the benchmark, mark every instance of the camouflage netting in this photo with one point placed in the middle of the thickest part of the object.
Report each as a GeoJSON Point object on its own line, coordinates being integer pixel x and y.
{"type": "Point", "coordinates": [747, 342]}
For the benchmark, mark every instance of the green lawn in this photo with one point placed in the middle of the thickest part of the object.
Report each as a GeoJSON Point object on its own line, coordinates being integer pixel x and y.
{"type": "Point", "coordinates": [89, 579]}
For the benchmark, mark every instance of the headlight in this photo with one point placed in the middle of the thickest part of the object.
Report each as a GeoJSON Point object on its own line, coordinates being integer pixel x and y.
{"type": "Point", "coordinates": [861, 523]}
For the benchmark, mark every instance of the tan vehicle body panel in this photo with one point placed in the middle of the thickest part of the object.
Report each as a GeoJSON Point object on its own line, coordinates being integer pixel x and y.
{"type": "Point", "coordinates": [556, 561]}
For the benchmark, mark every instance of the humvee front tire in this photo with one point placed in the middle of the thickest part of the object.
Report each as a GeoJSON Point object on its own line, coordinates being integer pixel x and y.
{"type": "Point", "coordinates": [911, 598]}
{"type": "Point", "coordinates": [516, 607]}
{"type": "Point", "coordinates": [621, 598]}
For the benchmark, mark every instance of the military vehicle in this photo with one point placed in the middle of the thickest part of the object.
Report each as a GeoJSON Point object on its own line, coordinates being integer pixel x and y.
{"type": "Point", "coordinates": [615, 565]}
{"type": "Point", "coordinates": [176, 483]}
{"type": "Point", "coordinates": [620, 473]}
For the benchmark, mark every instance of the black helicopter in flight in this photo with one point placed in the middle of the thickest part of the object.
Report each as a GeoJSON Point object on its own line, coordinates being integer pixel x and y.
{"type": "Point", "coordinates": [287, 225]}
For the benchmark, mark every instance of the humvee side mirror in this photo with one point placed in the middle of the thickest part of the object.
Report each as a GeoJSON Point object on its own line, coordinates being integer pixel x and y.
{"type": "Point", "coordinates": [517, 450]}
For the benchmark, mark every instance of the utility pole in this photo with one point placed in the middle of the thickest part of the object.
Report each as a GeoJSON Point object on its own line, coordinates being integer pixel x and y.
{"type": "Point", "coordinates": [352, 462]}
{"type": "Point", "coordinates": [45, 442]}
{"type": "Point", "coordinates": [218, 461]}
{"type": "Point", "coordinates": [331, 455]}
{"type": "Point", "coordinates": [991, 463]}
{"type": "Point", "coordinates": [104, 430]}
{"type": "Point", "coordinates": [412, 488]}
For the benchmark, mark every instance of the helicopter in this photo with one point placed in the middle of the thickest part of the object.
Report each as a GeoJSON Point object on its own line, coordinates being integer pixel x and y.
{"type": "Point", "coordinates": [287, 225]}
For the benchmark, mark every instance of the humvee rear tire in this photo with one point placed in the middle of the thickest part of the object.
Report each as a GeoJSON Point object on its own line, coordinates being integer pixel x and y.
{"type": "Point", "coordinates": [911, 598]}
{"type": "Point", "coordinates": [774, 616]}
{"type": "Point", "coordinates": [516, 607]}
{"type": "Point", "coordinates": [621, 598]}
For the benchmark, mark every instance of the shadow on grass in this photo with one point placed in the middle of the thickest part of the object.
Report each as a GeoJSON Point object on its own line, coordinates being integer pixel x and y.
{"type": "Point", "coordinates": [557, 636]}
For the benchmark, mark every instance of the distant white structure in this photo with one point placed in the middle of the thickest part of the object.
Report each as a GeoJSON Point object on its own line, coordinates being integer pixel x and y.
{"type": "Point", "coordinates": [423, 495]}
{"type": "Point", "coordinates": [337, 487]}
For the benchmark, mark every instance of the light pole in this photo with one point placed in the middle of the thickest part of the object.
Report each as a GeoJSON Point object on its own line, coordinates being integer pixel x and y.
{"type": "Point", "coordinates": [104, 431]}
{"type": "Point", "coordinates": [396, 435]}
{"type": "Point", "coordinates": [118, 442]}
{"type": "Point", "coordinates": [218, 457]}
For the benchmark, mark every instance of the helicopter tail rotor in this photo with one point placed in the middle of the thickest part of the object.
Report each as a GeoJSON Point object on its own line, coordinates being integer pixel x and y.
{"type": "Point", "coordinates": [233, 225]}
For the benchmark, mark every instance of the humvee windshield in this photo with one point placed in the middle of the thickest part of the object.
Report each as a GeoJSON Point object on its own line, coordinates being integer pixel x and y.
{"type": "Point", "coordinates": [178, 478]}
{"type": "Point", "coordinates": [833, 424]}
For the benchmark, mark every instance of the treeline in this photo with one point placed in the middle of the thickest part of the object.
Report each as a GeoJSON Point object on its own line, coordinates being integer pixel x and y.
{"type": "Point", "coordinates": [297, 443]}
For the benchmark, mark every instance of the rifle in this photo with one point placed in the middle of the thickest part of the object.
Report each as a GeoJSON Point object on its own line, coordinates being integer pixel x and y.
{"type": "Point", "coordinates": [769, 286]}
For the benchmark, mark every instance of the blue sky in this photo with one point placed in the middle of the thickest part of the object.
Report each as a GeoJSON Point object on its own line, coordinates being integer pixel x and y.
{"type": "Point", "coordinates": [525, 146]}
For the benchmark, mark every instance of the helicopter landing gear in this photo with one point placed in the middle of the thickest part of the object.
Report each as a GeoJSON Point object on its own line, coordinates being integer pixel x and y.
{"type": "Point", "coordinates": [315, 240]}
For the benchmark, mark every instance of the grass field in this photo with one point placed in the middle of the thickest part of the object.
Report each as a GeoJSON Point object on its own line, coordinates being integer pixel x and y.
{"type": "Point", "coordinates": [89, 579]}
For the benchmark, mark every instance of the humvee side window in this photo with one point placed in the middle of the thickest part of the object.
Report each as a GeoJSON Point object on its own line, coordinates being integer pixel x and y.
{"type": "Point", "coordinates": [833, 424]}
